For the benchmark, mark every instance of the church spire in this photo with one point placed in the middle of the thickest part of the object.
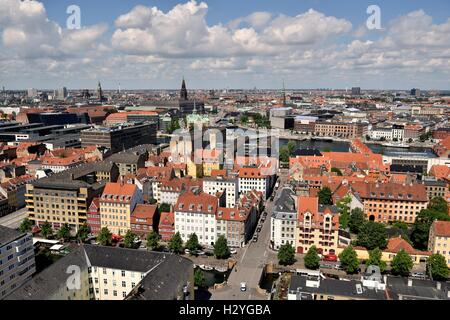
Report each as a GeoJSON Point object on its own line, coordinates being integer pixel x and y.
{"type": "Point", "coordinates": [183, 91]}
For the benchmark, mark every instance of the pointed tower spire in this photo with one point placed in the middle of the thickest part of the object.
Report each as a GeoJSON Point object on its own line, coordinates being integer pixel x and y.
{"type": "Point", "coordinates": [183, 91]}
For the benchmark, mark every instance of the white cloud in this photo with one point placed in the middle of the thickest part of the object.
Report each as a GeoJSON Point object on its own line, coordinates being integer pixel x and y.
{"type": "Point", "coordinates": [30, 34]}
{"type": "Point", "coordinates": [149, 44]}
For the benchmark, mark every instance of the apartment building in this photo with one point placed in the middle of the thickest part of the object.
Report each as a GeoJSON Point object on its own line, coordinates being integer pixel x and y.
{"type": "Point", "coordinates": [59, 201]}
{"type": "Point", "coordinates": [93, 217]}
{"type": "Point", "coordinates": [108, 273]}
{"type": "Point", "coordinates": [144, 219]}
{"type": "Point", "coordinates": [16, 260]}
{"type": "Point", "coordinates": [283, 221]}
{"type": "Point", "coordinates": [220, 183]}
{"type": "Point", "coordinates": [254, 179]}
{"type": "Point", "coordinates": [117, 202]}
{"type": "Point", "coordinates": [439, 239]}
{"type": "Point", "coordinates": [166, 227]}
{"type": "Point", "coordinates": [170, 190]}
{"type": "Point", "coordinates": [120, 137]}
{"type": "Point", "coordinates": [435, 188]}
{"type": "Point", "coordinates": [340, 129]}
{"type": "Point", "coordinates": [196, 213]}
{"type": "Point", "coordinates": [14, 190]}
{"type": "Point", "coordinates": [317, 225]}
{"type": "Point", "coordinates": [386, 202]}
{"type": "Point", "coordinates": [237, 224]}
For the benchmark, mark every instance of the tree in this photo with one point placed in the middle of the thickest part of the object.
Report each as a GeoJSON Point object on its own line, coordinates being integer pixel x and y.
{"type": "Point", "coordinates": [104, 238]}
{"type": "Point", "coordinates": [349, 260]}
{"type": "Point", "coordinates": [325, 196]}
{"type": "Point", "coordinates": [152, 201]}
{"type": "Point", "coordinates": [244, 119]}
{"type": "Point", "coordinates": [372, 235]}
{"type": "Point", "coordinates": [174, 125]}
{"type": "Point", "coordinates": [192, 243]}
{"type": "Point", "coordinates": [199, 278]}
{"type": "Point", "coordinates": [343, 206]}
{"type": "Point", "coordinates": [437, 266]}
{"type": "Point", "coordinates": [46, 230]}
{"type": "Point", "coordinates": [25, 225]}
{"type": "Point", "coordinates": [176, 243]}
{"type": "Point", "coordinates": [64, 232]}
{"type": "Point", "coordinates": [164, 207]}
{"type": "Point", "coordinates": [221, 250]}
{"type": "Point", "coordinates": [401, 264]}
{"type": "Point", "coordinates": [83, 232]}
{"type": "Point", "coordinates": [356, 220]}
{"type": "Point", "coordinates": [286, 255]}
{"type": "Point", "coordinates": [375, 259]}
{"type": "Point", "coordinates": [337, 171]}
{"type": "Point", "coordinates": [438, 204]}
{"type": "Point", "coordinates": [153, 240]}
{"type": "Point", "coordinates": [312, 259]}
{"type": "Point", "coordinates": [422, 225]}
{"type": "Point", "coordinates": [287, 151]}
{"type": "Point", "coordinates": [128, 241]}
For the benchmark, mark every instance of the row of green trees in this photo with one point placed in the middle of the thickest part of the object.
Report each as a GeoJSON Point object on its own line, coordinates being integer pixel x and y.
{"type": "Point", "coordinates": [401, 264]}
{"type": "Point", "coordinates": [63, 232]}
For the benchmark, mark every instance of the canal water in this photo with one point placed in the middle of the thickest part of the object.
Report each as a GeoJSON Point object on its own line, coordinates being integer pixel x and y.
{"type": "Point", "coordinates": [340, 146]}
{"type": "Point", "coordinates": [213, 277]}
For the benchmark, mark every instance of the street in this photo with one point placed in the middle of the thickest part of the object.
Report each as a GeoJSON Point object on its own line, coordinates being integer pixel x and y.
{"type": "Point", "coordinates": [250, 263]}
{"type": "Point", "coordinates": [14, 219]}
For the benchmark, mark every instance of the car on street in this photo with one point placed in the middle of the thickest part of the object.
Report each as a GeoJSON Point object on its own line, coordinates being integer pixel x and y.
{"type": "Point", "coordinates": [330, 257]}
{"type": "Point", "coordinates": [419, 275]}
{"type": "Point", "coordinates": [243, 286]}
{"type": "Point", "coordinates": [338, 267]}
{"type": "Point", "coordinates": [255, 239]}
{"type": "Point", "coordinates": [233, 251]}
{"type": "Point", "coordinates": [259, 229]}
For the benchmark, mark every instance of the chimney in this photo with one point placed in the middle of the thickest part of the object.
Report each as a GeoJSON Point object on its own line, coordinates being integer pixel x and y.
{"type": "Point", "coordinates": [409, 282]}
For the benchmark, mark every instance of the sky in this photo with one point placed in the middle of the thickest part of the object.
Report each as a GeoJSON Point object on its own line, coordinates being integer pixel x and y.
{"type": "Point", "coordinates": [220, 44]}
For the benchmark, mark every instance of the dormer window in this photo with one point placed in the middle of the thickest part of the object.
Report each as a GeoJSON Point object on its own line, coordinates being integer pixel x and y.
{"type": "Point", "coordinates": [191, 206]}
{"type": "Point", "coordinates": [180, 206]}
{"type": "Point", "coordinates": [210, 208]}
{"type": "Point", "coordinates": [409, 195]}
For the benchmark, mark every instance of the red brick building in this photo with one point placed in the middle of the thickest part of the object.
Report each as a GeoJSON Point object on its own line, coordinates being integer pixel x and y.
{"type": "Point", "coordinates": [166, 226]}
{"type": "Point", "coordinates": [93, 217]}
{"type": "Point", "coordinates": [143, 219]}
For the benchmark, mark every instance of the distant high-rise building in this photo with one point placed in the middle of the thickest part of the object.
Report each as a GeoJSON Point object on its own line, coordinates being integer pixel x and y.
{"type": "Point", "coordinates": [415, 92]}
{"type": "Point", "coordinates": [356, 91]}
{"type": "Point", "coordinates": [60, 94]}
{"type": "Point", "coordinates": [32, 93]}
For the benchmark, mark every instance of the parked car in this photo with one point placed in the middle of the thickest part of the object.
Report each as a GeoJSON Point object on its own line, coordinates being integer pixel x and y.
{"type": "Point", "coordinates": [419, 275]}
{"type": "Point", "coordinates": [338, 267]}
{"type": "Point", "coordinates": [255, 239]}
{"type": "Point", "coordinates": [243, 286]}
{"type": "Point", "coordinates": [330, 257]}
{"type": "Point", "coordinates": [233, 251]}
{"type": "Point", "coordinates": [259, 229]}
{"type": "Point", "coordinates": [187, 251]}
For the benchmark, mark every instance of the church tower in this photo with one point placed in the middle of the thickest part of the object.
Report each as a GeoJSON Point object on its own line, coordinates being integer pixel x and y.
{"type": "Point", "coordinates": [183, 91]}
{"type": "Point", "coordinates": [99, 92]}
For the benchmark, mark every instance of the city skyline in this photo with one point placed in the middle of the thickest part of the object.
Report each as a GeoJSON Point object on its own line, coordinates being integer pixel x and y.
{"type": "Point", "coordinates": [151, 45]}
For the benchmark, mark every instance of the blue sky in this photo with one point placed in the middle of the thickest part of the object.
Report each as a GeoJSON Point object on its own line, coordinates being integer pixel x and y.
{"type": "Point", "coordinates": [154, 49]}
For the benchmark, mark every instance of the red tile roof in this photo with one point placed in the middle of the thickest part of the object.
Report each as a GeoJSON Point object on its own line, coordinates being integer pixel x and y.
{"type": "Point", "coordinates": [396, 244]}
{"type": "Point", "coordinates": [441, 228]}
{"type": "Point", "coordinates": [201, 203]}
